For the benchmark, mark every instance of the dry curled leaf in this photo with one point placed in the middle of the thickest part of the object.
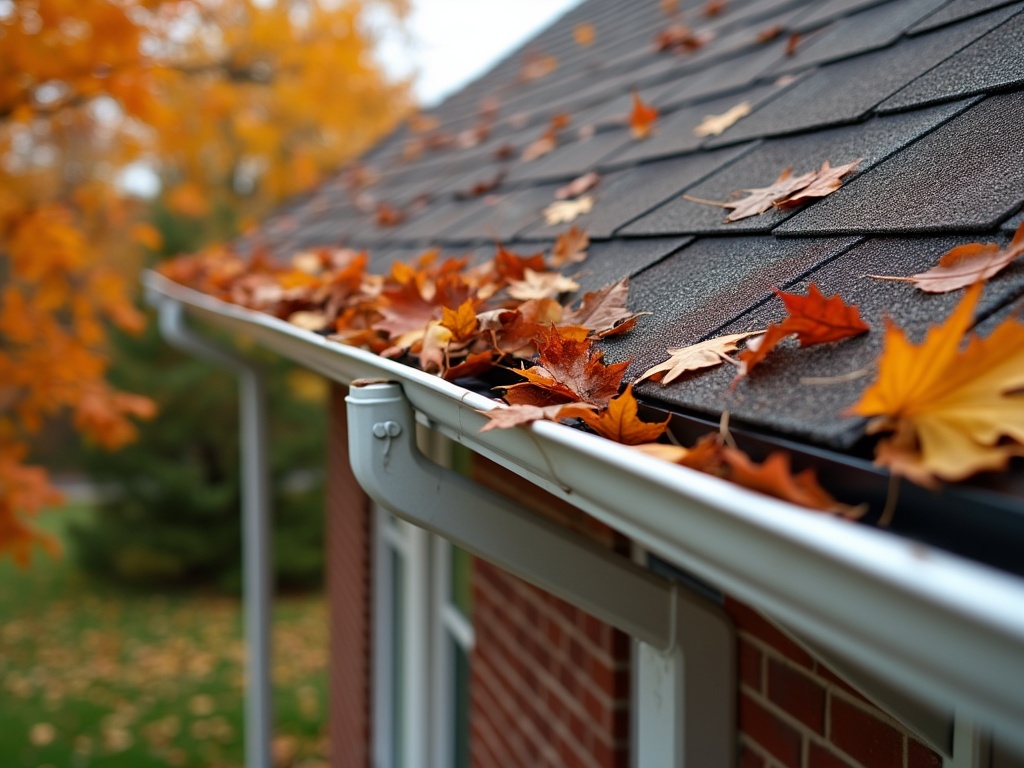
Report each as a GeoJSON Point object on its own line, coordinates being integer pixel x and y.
{"type": "Point", "coordinates": [713, 125]}
{"type": "Point", "coordinates": [952, 412]}
{"type": "Point", "coordinates": [785, 192]}
{"type": "Point", "coordinates": [642, 118]}
{"type": "Point", "coordinates": [704, 354]}
{"type": "Point", "coordinates": [567, 211]}
{"type": "Point", "coordinates": [965, 264]}
{"type": "Point", "coordinates": [603, 311]}
{"type": "Point", "coordinates": [620, 421]}
{"type": "Point", "coordinates": [518, 415]}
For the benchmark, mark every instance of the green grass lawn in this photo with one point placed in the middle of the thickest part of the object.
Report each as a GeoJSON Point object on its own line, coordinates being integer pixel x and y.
{"type": "Point", "coordinates": [91, 675]}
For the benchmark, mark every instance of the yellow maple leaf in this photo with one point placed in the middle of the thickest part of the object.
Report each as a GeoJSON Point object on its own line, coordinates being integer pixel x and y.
{"type": "Point", "coordinates": [952, 412]}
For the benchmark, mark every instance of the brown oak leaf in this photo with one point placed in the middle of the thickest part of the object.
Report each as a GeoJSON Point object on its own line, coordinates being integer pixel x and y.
{"type": "Point", "coordinates": [517, 415]}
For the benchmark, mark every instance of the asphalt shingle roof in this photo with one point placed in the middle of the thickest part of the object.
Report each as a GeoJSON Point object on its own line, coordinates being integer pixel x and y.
{"type": "Point", "coordinates": [929, 93]}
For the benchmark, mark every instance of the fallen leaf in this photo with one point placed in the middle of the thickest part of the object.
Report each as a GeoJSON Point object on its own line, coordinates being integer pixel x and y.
{"type": "Point", "coordinates": [792, 43]}
{"type": "Point", "coordinates": [540, 285]}
{"type": "Point", "coordinates": [620, 421]}
{"type": "Point", "coordinates": [769, 33]}
{"type": "Point", "coordinates": [826, 181]}
{"type": "Point", "coordinates": [760, 199]}
{"type": "Point", "coordinates": [775, 478]}
{"type": "Point", "coordinates": [584, 34]}
{"type": "Point", "coordinates": [309, 321]}
{"type": "Point", "coordinates": [679, 38]}
{"type": "Point", "coordinates": [567, 211]}
{"type": "Point", "coordinates": [714, 8]}
{"type": "Point", "coordinates": [517, 415]}
{"type": "Point", "coordinates": [482, 186]}
{"type": "Point", "coordinates": [813, 319]}
{"type": "Point", "coordinates": [536, 65]}
{"type": "Point", "coordinates": [642, 118]}
{"type": "Point", "coordinates": [577, 186]}
{"type": "Point", "coordinates": [695, 357]}
{"type": "Point", "coordinates": [964, 265]}
{"type": "Point", "coordinates": [713, 125]}
{"type": "Point", "coordinates": [757, 350]}
{"type": "Point", "coordinates": [602, 310]}
{"type": "Point", "coordinates": [570, 247]}
{"type": "Point", "coordinates": [387, 216]}
{"type": "Point", "coordinates": [952, 412]}
{"type": "Point", "coordinates": [570, 367]}
{"type": "Point", "coordinates": [786, 191]}
{"type": "Point", "coordinates": [462, 322]}
{"type": "Point", "coordinates": [540, 147]}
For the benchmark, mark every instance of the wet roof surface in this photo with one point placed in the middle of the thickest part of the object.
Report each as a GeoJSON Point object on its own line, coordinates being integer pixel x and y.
{"type": "Point", "coordinates": [929, 94]}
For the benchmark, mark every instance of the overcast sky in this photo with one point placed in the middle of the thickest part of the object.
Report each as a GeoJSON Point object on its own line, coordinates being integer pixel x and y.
{"type": "Point", "coordinates": [452, 41]}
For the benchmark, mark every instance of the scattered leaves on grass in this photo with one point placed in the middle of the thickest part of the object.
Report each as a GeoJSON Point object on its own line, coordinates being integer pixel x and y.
{"type": "Point", "coordinates": [964, 265]}
{"type": "Point", "coordinates": [813, 319]}
{"type": "Point", "coordinates": [785, 192]}
{"type": "Point", "coordinates": [952, 411]}
{"type": "Point", "coordinates": [567, 211]}
{"type": "Point", "coordinates": [642, 118]}
{"type": "Point", "coordinates": [704, 354]}
{"type": "Point", "coordinates": [713, 125]}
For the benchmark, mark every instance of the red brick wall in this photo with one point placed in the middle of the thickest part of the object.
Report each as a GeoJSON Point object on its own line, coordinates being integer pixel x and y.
{"type": "Point", "coordinates": [348, 594]}
{"type": "Point", "coordinates": [550, 684]}
{"type": "Point", "coordinates": [794, 712]}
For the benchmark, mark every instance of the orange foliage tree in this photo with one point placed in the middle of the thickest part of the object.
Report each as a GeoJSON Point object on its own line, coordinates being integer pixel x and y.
{"type": "Point", "coordinates": [228, 102]}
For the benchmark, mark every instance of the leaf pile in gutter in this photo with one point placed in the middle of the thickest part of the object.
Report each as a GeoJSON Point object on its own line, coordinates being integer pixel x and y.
{"type": "Point", "coordinates": [952, 413]}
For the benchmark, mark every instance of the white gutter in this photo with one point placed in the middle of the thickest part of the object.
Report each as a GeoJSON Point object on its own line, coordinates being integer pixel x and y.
{"type": "Point", "coordinates": [947, 630]}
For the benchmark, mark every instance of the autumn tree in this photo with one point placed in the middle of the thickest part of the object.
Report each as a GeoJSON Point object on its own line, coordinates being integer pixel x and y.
{"type": "Point", "coordinates": [228, 102]}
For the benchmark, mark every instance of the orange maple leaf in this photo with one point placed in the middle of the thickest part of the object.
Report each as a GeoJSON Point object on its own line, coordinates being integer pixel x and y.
{"type": "Point", "coordinates": [813, 319]}
{"type": "Point", "coordinates": [620, 421]}
{"type": "Point", "coordinates": [642, 118]}
{"type": "Point", "coordinates": [952, 412]}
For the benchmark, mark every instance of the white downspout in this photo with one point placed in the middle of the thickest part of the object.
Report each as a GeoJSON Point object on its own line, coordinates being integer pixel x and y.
{"type": "Point", "coordinates": [256, 570]}
{"type": "Point", "coordinates": [687, 661]}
